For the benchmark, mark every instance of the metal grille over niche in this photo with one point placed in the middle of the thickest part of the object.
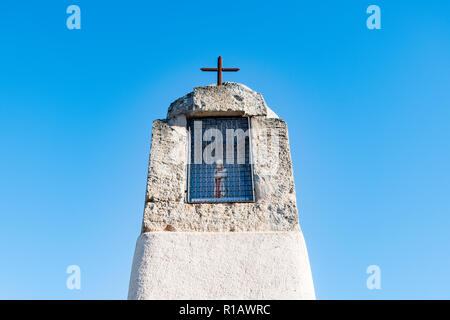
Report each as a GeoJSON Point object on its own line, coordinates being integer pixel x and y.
{"type": "Point", "coordinates": [215, 178]}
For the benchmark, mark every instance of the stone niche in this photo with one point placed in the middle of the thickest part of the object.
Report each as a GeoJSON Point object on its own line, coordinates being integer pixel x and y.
{"type": "Point", "coordinates": [274, 208]}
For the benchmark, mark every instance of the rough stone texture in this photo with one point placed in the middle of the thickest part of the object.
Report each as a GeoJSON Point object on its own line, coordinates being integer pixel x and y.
{"type": "Point", "coordinates": [275, 208]}
{"type": "Point", "coordinates": [231, 99]}
{"type": "Point", "coordinates": [260, 216]}
{"type": "Point", "coordinates": [167, 165]}
{"type": "Point", "coordinates": [204, 265]}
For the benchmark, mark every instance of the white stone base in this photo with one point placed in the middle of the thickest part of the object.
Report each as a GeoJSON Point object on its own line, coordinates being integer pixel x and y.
{"type": "Point", "coordinates": [228, 265]}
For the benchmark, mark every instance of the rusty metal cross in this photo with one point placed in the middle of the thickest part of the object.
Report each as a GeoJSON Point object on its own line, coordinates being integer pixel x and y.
{"type": "Point", "coordinates": [219, 70]}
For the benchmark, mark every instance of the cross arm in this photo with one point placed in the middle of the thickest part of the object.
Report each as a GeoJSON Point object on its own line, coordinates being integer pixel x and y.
{"type": "Point", "coordinates": [230, 69]}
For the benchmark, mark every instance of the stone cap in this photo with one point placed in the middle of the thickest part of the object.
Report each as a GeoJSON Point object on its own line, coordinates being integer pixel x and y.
{"type": "Point", "coordinates": [231, 98]}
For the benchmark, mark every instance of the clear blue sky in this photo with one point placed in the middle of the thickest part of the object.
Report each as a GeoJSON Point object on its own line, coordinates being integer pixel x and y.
{"type": "Point", "coordinates": [368, 114]}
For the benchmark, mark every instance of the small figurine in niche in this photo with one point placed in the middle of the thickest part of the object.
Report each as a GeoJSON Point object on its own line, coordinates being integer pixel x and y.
{"type": "Point", "coordinates": [220, 176]}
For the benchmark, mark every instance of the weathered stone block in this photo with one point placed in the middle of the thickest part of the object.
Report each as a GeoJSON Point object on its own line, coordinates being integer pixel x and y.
{"type": "Point", "coordinates": [275, 206]}
{"type": "Point", "coordinates": [263, 215]}
{"type": "Point", "coordinates": [230, 99]}
{"type": "Point", "coordinates": [167, 171]}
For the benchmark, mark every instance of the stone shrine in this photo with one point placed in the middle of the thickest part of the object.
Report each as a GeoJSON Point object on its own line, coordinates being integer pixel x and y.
{"type": "Point", "coordinates": [220, 218]}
